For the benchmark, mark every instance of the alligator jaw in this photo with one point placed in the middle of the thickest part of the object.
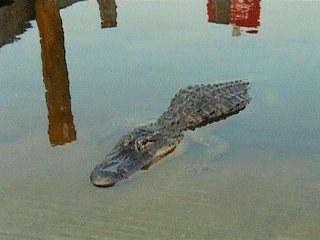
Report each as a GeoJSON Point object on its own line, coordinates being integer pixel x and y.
{"type": "Point", "coordinates": [135, 151]}
{"type": "Point", "coordinates": [161, 153]}
{"type": "Point", "coordinates": [118, 165]}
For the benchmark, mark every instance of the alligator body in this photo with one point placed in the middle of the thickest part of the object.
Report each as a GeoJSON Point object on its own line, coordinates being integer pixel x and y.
{"type": "Point", "coordinates": [191, 108]}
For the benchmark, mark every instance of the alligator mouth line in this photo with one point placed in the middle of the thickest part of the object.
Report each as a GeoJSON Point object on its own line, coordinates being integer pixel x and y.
{"type": "Point", "coordinates": [160, 155]}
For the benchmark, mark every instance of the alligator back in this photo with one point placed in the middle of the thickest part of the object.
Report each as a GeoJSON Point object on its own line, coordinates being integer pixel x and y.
{"type": "Point", "coordinates": [198, 105]}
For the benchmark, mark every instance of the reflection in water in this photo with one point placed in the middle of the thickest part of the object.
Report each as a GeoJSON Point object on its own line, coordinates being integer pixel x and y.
{"type": "Point", "coordinates": [15, 19]}
{"type": "Point", "coordinates": [266, 186]}
{"type": "Point", "coordinates": [4, 3]}
{"type": "Point", "coordinates": [239, 13]}
{"type": "Point", "coordinates": [108, 13]}
{"type": "Point", "coordinates": [219, 11]}
{"type": "Point", "coordinates": [55, 73]}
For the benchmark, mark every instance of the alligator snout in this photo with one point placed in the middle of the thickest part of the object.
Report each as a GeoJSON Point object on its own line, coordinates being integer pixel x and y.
{"type": "Point", "coordinates": [101, 178]}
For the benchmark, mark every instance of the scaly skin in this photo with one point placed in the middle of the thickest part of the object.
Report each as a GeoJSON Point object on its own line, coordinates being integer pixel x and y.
{"type": "Point", "coordinates": [191, 108]}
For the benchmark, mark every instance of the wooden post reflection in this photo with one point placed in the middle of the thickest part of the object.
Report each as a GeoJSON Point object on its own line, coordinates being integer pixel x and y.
{"type": "Point", "coordinates": [61, 129]}
{"type": "Point", "coordinates": [219, 11]}
{"type": "Point", "coordinates": [4, 3]}
{"type": "Point", "coordinates": [108, 13]}
{"type": "Point", "coordinates": [14, 20]}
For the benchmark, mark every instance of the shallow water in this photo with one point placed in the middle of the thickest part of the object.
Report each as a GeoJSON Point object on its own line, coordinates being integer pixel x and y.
{"type": "Point", "coordinates": [252, 176]}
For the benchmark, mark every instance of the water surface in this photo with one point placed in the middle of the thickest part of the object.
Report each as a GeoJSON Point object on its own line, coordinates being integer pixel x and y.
{"type": "Point", "coordinates": [99, 71]}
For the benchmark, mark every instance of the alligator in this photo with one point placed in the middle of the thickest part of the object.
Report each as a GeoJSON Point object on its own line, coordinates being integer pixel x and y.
{"type": "Point", "coordinates": [191, 108]}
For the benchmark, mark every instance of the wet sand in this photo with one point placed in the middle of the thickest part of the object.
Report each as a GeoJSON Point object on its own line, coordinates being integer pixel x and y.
{"type": "Point", "coordinates": [272, 196]}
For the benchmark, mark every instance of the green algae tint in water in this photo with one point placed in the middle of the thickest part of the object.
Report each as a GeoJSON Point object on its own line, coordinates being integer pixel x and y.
{"type": "Point", "coordinates": [67, 99]}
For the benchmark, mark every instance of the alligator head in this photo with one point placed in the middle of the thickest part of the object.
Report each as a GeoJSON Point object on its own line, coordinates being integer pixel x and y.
{"type": "Point", "coordinates": [136, 150]}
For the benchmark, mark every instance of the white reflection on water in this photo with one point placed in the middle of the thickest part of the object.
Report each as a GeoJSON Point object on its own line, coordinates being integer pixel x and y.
{"type": "Point", "coordinates": [266, 184]}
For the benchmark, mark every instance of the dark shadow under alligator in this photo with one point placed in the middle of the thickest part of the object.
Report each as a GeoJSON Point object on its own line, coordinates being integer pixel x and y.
{"type": "Point", "coordinates": [191, 108]}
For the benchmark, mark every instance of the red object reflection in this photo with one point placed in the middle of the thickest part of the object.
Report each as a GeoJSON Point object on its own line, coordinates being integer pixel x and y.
{"type": "Point", "coordinates": [245, 13]}
{"type": "Point", "coordinates": [241, 13]}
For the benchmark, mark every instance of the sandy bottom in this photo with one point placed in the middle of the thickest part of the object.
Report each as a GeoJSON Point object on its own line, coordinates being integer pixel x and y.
{"type": "Point", "coordinates": [261, 193]}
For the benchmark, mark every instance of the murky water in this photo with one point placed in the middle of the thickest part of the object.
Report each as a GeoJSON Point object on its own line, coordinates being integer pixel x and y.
{"type": "Point", "coordinates": [99, 71]}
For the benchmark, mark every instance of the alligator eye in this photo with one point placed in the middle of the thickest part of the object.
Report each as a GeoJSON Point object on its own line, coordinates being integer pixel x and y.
{"type": "Point", "coordinates": [142, 143]}
{"type": "Point", "coordinates": [127, 141]}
